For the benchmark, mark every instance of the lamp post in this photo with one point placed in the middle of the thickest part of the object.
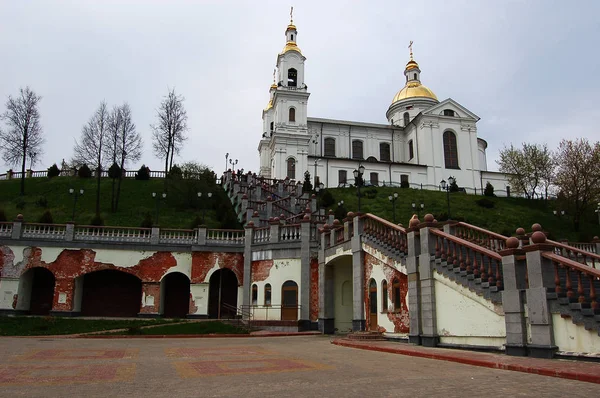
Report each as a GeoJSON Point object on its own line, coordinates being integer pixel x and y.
{"type": "Point", "coordinates": [447, 186]}
{"type": "Point", "coordinates": [358, 175]}
{"type": "Point", "coordinates": [233, 164]}
{"type": "Point", "coordinates": [226, 157]}
{"type": "Point", "coordinates": [393, 198]}
{"type": "Point", "coordinates": [157, 197]}
{"type": "Point", "coordinates": [559, 212]}
{"type": "Point", "coordinates": [417, 208]}
{"type": "Point", "coordinates": [598, 212]}
{"type": "Point", "coordinates": [318, 189]}
{"type": "Point", "coordinates": [208, 195]}
{"type": "Point", "coordinates": [75, 196]}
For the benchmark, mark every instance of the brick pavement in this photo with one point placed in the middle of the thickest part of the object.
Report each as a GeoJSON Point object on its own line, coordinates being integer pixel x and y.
{"type": "Point", "coordinates": [249, 367]}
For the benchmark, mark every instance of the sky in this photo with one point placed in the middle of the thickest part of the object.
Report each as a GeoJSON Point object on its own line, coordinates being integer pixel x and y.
{"type": "Point", "coordinates": [528, 69]}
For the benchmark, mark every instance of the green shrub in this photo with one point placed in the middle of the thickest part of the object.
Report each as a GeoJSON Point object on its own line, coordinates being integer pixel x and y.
{"type": "Point", "coordinates": [53, 171]}
{"type": "Point", "coordinates": [46, 218]}
{"type": "Point", "coordinates": [370, 193]}
{"type": "Point", "coordinates": [114, 171]}
{"type": "Point", "coordinates": [20, 203]}
{"type": "Point", "coordinates": [2, 215]}
{"type": "Point", "coordinates": [307, 185]}
{"type": "Point", "coordinates": [175, 172]}
{"type": "Point", "coordinates": [97, 220]}
{"type": "Point", "coordinates": [196, 222]}
{"type": "Point", "coordinates": [489, 190]}
{"type": "Point", "coordinates": [42, 202]}
{"type": "Point", "coordinates": [485, 202]}
{"type": "Point", "coordinates": [147, 221]}
{"type": "Point", "coordinates": [326, 199]}
{"type": "Point", "coordinates": [454, 186]}
{"type": "Point", "coordinates": [143, 173]}
{"type": "Point", "coordinates": [84, 172]}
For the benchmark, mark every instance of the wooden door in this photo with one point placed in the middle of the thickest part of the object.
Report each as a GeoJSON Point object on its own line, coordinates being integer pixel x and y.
{"type": "Point", "coordinates": [289, 301]}
{"type": "Point", "coordinates": [373, 305]}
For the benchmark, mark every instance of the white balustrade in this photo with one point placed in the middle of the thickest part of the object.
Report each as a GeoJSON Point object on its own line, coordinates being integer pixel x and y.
{"type": "Point", "coordinates": [43, 231]}
{"type": "Point", "coordinates": [112, 234]}
{"type": "Point", "coordinates": [290, 232]}
{"type": "Point", "coordinates": [5, 229]}
{"type": "Point", "coordinates": [225, 237]}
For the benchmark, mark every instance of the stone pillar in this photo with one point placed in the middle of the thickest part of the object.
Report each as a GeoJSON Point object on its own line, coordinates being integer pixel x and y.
{"type": "Point", "coordinates": [313, 203]}
{"type": "Point", "coordinates": [596, 241]}
{"type": "Point", "coordinates": [269, 207]}
{"type": "Point", "coordinates": [414, 287]}
{"type": "Point", "coordinates": [358, 278]}
{"type": "Point", "coordinates": [28, 173]}
{"type": "Point", "coordinates": [244, 204]}
{"type": "Point", "coordinates": [326, 293]}
{"type": "Point", "coordinates": [150, 300]}
{"type": "Point", "coordinates": [280, 188]}
{"type": "Point", "coordinates": [304, 320]}
{"type": "Point", "coordinates": [540, 272]}
{"type": "Point", "coordinates": [17, 227]}
{"type": "Point", "coordinates": [9, 174]}
{"type": "Point", "coordinates": [429, 334]}
{"type": "Point", "coordinates": [274, 233]}
{"type": "Point", "coordinates": [201, 236]}
{"type": "Point", "coordinates": [155, 237]}
{"type": "Point", "coordinates": [70, 231]}
{"type": "Point", "coordinates": [514, 275]}
{"type": "Point", "coordinates": [63, 301]}
{"type": "Point", "coordinates": [249, 234]}
{"type": "Point", "coordinates": [330, 217]}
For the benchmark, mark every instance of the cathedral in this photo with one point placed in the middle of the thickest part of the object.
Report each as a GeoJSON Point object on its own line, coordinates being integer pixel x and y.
{"type": "Point", "coordinates": [424, 142]}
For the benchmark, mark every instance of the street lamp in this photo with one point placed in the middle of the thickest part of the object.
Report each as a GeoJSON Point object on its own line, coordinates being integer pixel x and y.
{"type": "Point", "coordinates": [559, 213]}
{"type": "Point", "coordinates": [75, 196]}
{"type": "Point", "coordinates": [208, 195]}
{"type": "Point", "coordinates": [393, 198]}
{"type": "Point", "coordinates": [318, 189]}
{"type": "Point", "coordinates": [447, 186]}
{"type": "Point", "coordinates": [226, 157]}
{"type": "Point", "coordinates": [155, 195]}
{"type": "Point", "coordinates": [358, 175]}
{"type": "Point", "coordinates": [417, 208]}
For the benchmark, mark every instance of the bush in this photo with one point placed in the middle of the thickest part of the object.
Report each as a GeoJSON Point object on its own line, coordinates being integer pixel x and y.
{"type": "Point", "coordinates": [84, 171]}
{"type": "Point", "coordinates": [53, 171]}
{"type": "Point", "coordinates": [370, 193]}
{"type": "Point", "coordinates": [489, 190]}
{"type": "Point", "coordinates": [46, 218]}
{"type": "Point", "coordinates": [147, 221]}
{"type": "Point", "coordinates": [454, 186]}
{"type": "Point", "coordinates": [327, 200]}
{"type": "Point", "coordinates": [2, 215]}
{"type": "Point", "coordinates": [485, 202]}
{"type": "Point", "coordinates": [143, 173]}
{"type": "Point", "coordinates": [175, 172]}
{"type": "Point", "coordinates": [42, 202]}
{"type": "Point", "coordinates": [114, 171]}
{"type": "Point", "coordinates": [97, 220]}
{"type": "Point", "coordinates": [196, 222]}
{"type": "Point", "coordinates": [307, 185]}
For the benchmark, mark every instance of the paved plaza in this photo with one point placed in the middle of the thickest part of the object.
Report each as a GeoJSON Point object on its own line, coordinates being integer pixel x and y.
{"type": "Point", "coordinates": [249, 367]}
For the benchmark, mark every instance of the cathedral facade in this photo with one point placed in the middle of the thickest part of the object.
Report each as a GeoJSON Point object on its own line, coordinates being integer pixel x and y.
{"type": "Point", "coordinates": [424, 142]}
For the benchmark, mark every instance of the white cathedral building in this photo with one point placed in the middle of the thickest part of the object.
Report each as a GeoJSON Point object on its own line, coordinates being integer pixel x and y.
{"type": "Point", "coordinates": [424, 142]}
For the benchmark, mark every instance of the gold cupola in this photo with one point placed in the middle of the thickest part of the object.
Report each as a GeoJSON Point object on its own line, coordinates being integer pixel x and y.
{"type": "Point", "coordinates": [290, 36]}
{"type": "Point", "coordinates": [413, 87]}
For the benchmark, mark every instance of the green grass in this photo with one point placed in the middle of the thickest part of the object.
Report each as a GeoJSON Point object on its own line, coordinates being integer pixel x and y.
{"type": "Point", "coordinates": [208, 327]}
{"type": "Point", "coordinates": [48, 326]}
{"type": "Point", "coordinates": [177, 211]}
{"type": "Point", "coordinates": [505, 217]}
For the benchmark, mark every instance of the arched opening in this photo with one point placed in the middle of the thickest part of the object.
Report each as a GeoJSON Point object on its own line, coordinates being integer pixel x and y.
{"type": "Point", "coordinates": [36, 291]}
{"type": "Point", "coordinates": [289, 301]}
{"type": "Point", "coordinates": [271, 125]}
{"type": "Point", "coordinates": [384, 296]}
{"type": "Point", "coordinates": [406, 119]}
{"type": "Point", "coordinates": [292, 77]}
{"type": "Point", "coordinates": [222, 297]}
{"type": "Point", "coordinates": [372, 305]}
{"type": "Point", "coordinates": [384, 152]}
{"type": "Point", "coordinates": [396, 297]}
{"type": "Point", "coordinates": [329, 147]}
{"type": "Point", "coordinates": [357, 150]}
{"type": "Point", "coordinates": [292, 115]}
{"type": "Point", "coordinates": [267, 294]}
{"type": "Point", "coordinates": [291, 168]}
{"type": "Point", "coordinates": [450, 150]}
{"type": "Point", "coordinates": [338, 297]}
{"type": "Point", "coordinates": [175, 297]}
{"type": "Point", "coordinates": [111, 293]}
{"type": "Point", "coordinates": [411, 150]}
{"type": "Point", "coordinates": [254, 294]}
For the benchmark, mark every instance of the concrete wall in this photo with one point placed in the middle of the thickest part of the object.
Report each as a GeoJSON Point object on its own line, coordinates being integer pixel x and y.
{"type": "Point", "coordinates": [570, 337]}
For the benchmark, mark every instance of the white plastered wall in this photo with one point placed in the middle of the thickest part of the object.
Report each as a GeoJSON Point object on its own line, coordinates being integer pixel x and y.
{"type": "Point", "coordinates": [569, 337]}
{"type": "Point", "coordinates": [282, 270]}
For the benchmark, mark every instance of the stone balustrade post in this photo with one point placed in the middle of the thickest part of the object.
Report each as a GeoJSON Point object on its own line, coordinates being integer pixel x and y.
{"type": "Point", "coordinates": [304, 323]}
{"type": "Point", "coordinates": [414, 288]}
{"type": "Point", "coordinates": [269, 208]}
{"type": "Point", "coordinates": [280, 188]}
{"type": "Point", "coordinates": [513, 297]}
{"type": "Point", "coordinates": [596, 240]}
{"type": "Point", "coordinates": [155, 236]}
{"type": "Point", "coordinates": [17, 228]}
{"type": "Point", "coordinates": [201, 235]}
{"type": "Point", "coordinates": [330, 217]}
{"type": "Point", "coordinates": [313, 203]}
{"type": "Point", "coordinates": [274, 232]}
{"type": "Point", "coordinates": [247, 277]}
{"type": "Point", "coordinates": [450, 229]}
{"type": "Point", "coordinates": [347, 226]}
{"type": "Point", "coordinates": [69, 231]}
{"type": "Point", "coordinates": [244, 204]}
{"type": "Point", "coordinates": [28, 173]}
{"type": "Point", "coordinates": [9, 174]}
{"type": "Point", "coordinates": [427, 303]}
{"type": "Point", "coordinates": [257, 192]}
{"type": "Point", "coordinates": [358, 282]}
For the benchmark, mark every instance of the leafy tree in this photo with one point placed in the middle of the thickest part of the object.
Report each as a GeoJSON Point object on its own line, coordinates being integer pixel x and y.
{"type": "Point", "coordinates": [53, 171]}
{"type": "Point", "coordinates": [307, 185]}
{"type": "Point", "coordinates": [578, 176]}
{"type": "Point", "coordinates": [143, 173]}
{"type": "Point", "coordinates": [23, 138]}
{"type": "Point", "coordinates": [168, 134]}
{"type": "Point", "coordinates": [84, 171]}
{"type": "Point", "coordinates": [530, 170]}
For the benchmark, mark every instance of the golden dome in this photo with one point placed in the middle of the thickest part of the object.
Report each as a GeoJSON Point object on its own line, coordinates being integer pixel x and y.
{"type": "Point", "coordinates": [291, 46]}
{"type": "Point", "coordinates": [414, 89]}
{"type": "Point", "coordinates": [269, 105]}
{"type": "Point", "coordinates": [274, 85]}
{"type": "Point", "coordinates": [412, 64]}
{"type": "Point", "coordinates": [291, 26]}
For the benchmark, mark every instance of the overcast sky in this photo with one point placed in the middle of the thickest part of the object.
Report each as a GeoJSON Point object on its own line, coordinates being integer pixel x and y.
{"type": "Point", "coordinates": [529, 69]}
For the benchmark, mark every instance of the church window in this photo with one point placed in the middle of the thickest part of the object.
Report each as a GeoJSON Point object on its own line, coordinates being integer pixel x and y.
{"type": "Point", "coordinates": [384, 296]}
{"type": "Point", "coordinates": [450, 150]}
{"type": "Point", "coordinates": [357, 149]}
{"type": "Point", "coordinates": [330, 147]}
{"type": "Point", "coordinates": [384, 152]}
{"type": "Point", "coordinates": [374, 179]}
{"type": "Point", "coordinates": [448, 112]}
{"type": "Point", "coordinates": [292, 77]}
{"type": "Point", "coordinates": [342, 176]}
{"type": "Point", "coordinates": [271, 126]}
{"type": "Point", "coordinates": [292, 36]}
{"type": "Point", "coordinates": [372, 159]}
{"type": "Point", "coordinates": [406, 119]}
{"type": "Point", "coordinates": [415, 76]}
{"type": "Point", "coordinates": [267, 294]}
{"type": "Point", "coordinates": [396, 295]}
{"type": "Point", "coordinates": [254, 294]}
{"type": "Point", "coordinates": [292, 115]}
{"type": "Point", "coordinates": [291, 168]}
{"type": "Point", "coordinates": [411, 150]}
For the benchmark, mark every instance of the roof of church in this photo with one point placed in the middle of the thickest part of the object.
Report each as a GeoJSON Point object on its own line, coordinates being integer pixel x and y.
{"type": "Point", "coordinates": [414, 89]}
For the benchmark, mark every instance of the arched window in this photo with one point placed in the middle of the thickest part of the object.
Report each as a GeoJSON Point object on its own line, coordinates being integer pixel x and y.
{"type": "Point", "coordinates": [292, 77]}
{"type": "Point", "coordinates": [406, 119]}
{"type": "Point", "coordinates": [291, 168]}
{"type": "Point", "coordinates": [396, 295]}
{"type": "Point", "coordinates": [448, 112]}
{"type": "Point", "coordinates": [372, 159]}
{"type": "Point", "coordinates": [292, 37]}
{"type": "Point", "coordinates": [267, 294]}
{"type": "Point", "coordinates": [271, 127]}
{"type": "Point", "coordinates": [384, 152]}
{"type": "Point", "coordinates": [292, 115]}
{"type": "Point", "coordinates": [357, 149]}
{"type": "Point", "coordinates": [415, 76]}
{"type": "Point", "coordinates": [254, 294]}
{"type": "Point", "coordinates": [384, 296]}
{"type": "Point", "coordinates": [342, 177]}
{"type": "Point", "coordinates": [330, 147]}
{"type": "Point", "coordinates": [411, 150]}
{"type": "Point", "coordinates": [450, 150]}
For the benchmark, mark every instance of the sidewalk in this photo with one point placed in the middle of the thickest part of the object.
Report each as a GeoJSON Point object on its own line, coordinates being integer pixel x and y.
{"type": "Point", "coordinates": [566, 369]}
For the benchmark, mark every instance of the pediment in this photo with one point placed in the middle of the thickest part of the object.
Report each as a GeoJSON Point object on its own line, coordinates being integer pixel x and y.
{"type": "Point", "coordinates": [459, 110]}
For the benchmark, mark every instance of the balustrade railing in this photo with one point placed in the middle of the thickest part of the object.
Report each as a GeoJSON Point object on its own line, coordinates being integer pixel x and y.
{"type": "Point", "coordinates": [257, 205]}
{"type": "Point", "coordinates": [386, 232]}
{"type": "Point", "coordinates": [289, 232]}
{"type": "Point", "coordinates": [112, 234]}
{"type": "Point", "coordinates": [178, 236]}
{"type": "Point", "coordinates": [43, 231]}
{"type": "Point", "coordinates": [6, 229]}
{"type": "Point", "coordinates": [225, 236]}
{"type": "Point", "coordinates": [586, 247]}
{"type": "Point", "coordinates": [262, 235]}
{"type": "Point", "coordinates": [480, 236]}
{"type": "Point", "coordinates": [469, 258]}
{"type": "Point", "coordinates": [581, 256]}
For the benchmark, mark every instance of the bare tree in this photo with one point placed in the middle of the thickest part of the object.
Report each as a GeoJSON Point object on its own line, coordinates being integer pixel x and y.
{"type": "Point", "coordinates": [530, 170]}
{"type": "Point", "coordinates": [90, 148]}
{"type": "Point", "coordinates": [23, 138]}
{"type": "Point", "coordinates": [130, 144]}
{"type": "Point", "coordinates": [578, 176]}
{"type": "Point", "coordinates": [169, 133]}
{"type": "Point", "coordinates": [112, 145]}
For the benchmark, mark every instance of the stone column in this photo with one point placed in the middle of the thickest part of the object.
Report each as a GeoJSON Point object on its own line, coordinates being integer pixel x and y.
{"type": "Point", "coordinates": [429, 334]}
{"type": "Point", "coordinates": [514, 276]}
{"type": "Point", "coordinates": [326, 315]}
{"type": "Point", "coordinates": [155, 237]}
{"type": "Point", "coordinates": [540, 272]}
{"type": "Point", "coordinates": [150, 300]}
{"type": "Point", "coordinates": [358, 278]}
{"type": "Point", "coordinates": [17, 227]}
{"type": "Point", "coordinates": [249, 234]}
{"type": "Point", "coordinates": [63, 301]}
{"type": "Point", "coordinates": [69, 231]}
{"type": "Point", "coordinates": [414, 286]}
{"type": "Point", "coordinates": [304, 320]}
{"type": "Point", "coordinates": [274, 232]}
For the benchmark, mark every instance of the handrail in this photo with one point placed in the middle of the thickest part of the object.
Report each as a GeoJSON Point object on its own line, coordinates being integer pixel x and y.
{"type": "Point", "coordinates": [485, 231]}
{"type": "Point", "coordinates": [574, 249]}
{"type": "Point", "coordinates": [386, 222]}
{"type": "Point", "coordinates": [571, 264]}
{"type": "Point", "coordinates": [472, 246]}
